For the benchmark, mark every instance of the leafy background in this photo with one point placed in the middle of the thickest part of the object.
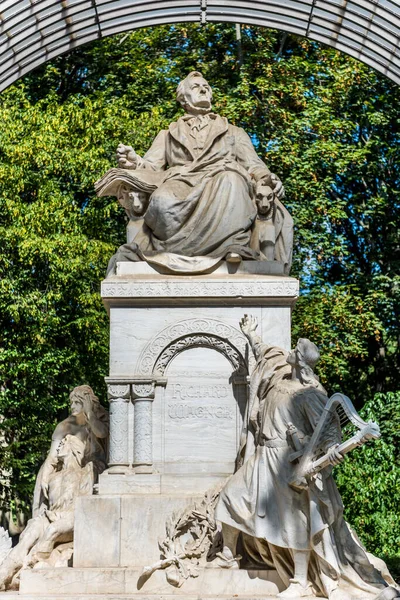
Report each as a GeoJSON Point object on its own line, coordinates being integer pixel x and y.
{"type": "Point", "coordinates": [326, 124]}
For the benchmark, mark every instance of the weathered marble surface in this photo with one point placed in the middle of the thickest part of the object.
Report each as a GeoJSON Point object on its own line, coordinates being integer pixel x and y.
{"type": "Point", "coordinates": [5, 544]}
{"type": "Point", "coordinates": [137, 330]}
{"type": "Point", "coordinates": [244, 267]}
{"type": "Point", "coordinates": [203, 411]}
{"type": "Point", "coordinates": [138, 596]}
{"type": "Point", "coordinates": [131, 482]}
{"type": "Point", "coordinates": [172, 290]}
{"type": "Point", "coordinates": [214, 582]}
{"type": "Point", "coordinates": [77, 454]}
{"type": "Point", "coordinates": [97, 536]}
{"type": "Point", "coordinates": [131, 524]}
{"type": "Point", "coordinates": [177, 383]}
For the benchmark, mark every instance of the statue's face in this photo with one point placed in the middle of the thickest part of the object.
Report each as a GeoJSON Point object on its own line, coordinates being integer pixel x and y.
{"type": "Point", "coordinates": [293, 358]}
{"type": "Point", "coordinates": [65, 453]}
{"type": "Point", "coordinates": [198, 92]}
{"type": "Point", "coordinates": [264, 199]}
{"type": "Point", "coordinates": [61, 450]}
{"type": "Point", "coordinates": [139, 201]}
{"type": "Point", "coordinates": [76, 405]}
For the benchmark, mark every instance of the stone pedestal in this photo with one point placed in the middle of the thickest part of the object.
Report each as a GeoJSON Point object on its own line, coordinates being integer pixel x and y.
{"type": "Point", "coordinates": [178, 371]}
{"type": "Point", "coordinates": [178, 388]}
{"type": "Point", "coordinates": [109, 582]}
{"type": "Point", "coordinates": [179, 367]}
{"type": "Point", "coordinates": [122, 530]}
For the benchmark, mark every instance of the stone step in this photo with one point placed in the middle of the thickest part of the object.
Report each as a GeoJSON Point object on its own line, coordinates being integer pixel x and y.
{"type": "Point", "coordinates": [115, 582]}
{"type": "Point", "coordinates": [17, 596]}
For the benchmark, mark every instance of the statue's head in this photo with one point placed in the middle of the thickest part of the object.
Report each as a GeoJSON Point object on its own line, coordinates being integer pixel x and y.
{"type": "Point", "coordinates": [305, 352]}
{"type": "Point", "coordinates": [139, 201]}
{"type": "Point", "coordinates": [78, 398]}
{"type": "Point", "coordinates": [305, 356]}
{"type": "Point", "coordinates": [135, 203]}
{"type": "Point", "coordinates": [71, 447]}
{"type": "Point", "coordinates": [194, 94]}
{"type": "Point", "coordinates": [264, 198]}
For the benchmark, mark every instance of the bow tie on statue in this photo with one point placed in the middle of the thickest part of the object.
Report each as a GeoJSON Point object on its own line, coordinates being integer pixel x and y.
{"type": "Point", "coordinates": [197, 122]}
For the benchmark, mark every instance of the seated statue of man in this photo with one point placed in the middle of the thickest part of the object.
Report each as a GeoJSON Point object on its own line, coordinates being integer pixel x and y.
{"type": "Point", "coordinates": [200, 177]}
{"type": "Point", "coordinates": [300, 532]}
{"type": "Point", "coordinates": [53, 522]}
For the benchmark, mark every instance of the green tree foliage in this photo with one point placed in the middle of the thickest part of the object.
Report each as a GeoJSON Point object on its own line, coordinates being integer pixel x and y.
{"type": "Point", "coordinates": [327, 125]}
{"type": "Point", "coordinates": [369, 482]}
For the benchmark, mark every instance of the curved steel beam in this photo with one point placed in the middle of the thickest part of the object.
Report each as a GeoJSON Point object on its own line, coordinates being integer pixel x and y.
{"type": "Point", "coordinates": [35, 31]}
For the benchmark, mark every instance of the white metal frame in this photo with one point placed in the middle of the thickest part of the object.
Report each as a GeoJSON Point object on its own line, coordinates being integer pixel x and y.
{"type": "Point", "coordinates": [35, 31]}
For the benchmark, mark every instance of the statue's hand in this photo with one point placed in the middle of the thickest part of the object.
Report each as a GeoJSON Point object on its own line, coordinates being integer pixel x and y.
{"type": "Point", "coordinates": [127, 157]}
{"type": "Point", "coordinates": [87, 406]}
{"type": "Point", "coordinates": [299, 484]}
{"type": "Point", "coordinates": [334, 456]}
{"type": "Point", "coordinates": [248, 325]}
{"type": "Point", "coordinates": [277, 184]}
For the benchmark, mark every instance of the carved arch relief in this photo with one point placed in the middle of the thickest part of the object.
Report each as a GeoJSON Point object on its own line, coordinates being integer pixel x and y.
{"type": "Point", "coordinates": [203, 405]}
{"type": "Point", "coordinates": [191, 333]}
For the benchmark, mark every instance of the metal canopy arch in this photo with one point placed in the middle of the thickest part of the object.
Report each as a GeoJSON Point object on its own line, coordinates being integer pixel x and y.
{"type": "Point", "coordinates": [35, 31]}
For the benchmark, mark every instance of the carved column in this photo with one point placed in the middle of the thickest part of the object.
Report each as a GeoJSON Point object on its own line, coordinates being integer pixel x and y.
{"type": "Point", "coordinates": [119, 397]}
{"type": "Point", "coordinates": [143, 396]}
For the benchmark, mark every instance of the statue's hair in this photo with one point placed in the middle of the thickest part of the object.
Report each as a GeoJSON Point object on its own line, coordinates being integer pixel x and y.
{"type": "Point", "coordinates": [180, 90]}
{"type": "Point", "coordinates": [309, 351]}
{"type": "Point", "coordinates": [75, 445]}
{"type": "Point", "coordinates": [82, 391]}
{"type": "Point", "coordinates": [308, 356]}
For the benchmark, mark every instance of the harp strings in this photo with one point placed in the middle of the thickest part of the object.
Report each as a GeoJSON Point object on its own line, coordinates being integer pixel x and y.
{"type": "Point", "coordinates": [336, 429]}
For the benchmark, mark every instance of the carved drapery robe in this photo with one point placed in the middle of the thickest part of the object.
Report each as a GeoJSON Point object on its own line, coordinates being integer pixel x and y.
{"type": "Point", "coordinates": [202, 181]}
{"type": "Point", "coordinates": [204, 205]}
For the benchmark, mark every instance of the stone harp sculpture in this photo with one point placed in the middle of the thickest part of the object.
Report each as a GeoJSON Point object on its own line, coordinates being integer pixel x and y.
{"type": "Point", "coordinates": [339, 419]}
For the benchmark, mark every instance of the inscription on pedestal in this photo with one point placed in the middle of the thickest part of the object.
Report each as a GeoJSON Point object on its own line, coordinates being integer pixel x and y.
{"type": "Point", "coordinates": [203, 413]}
{"type": "Point", "coordinates": [186, 411]}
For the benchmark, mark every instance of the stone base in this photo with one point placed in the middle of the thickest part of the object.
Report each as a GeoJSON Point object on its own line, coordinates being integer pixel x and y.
{"type": "Point", "coordinates": [129, 482]}
{"type": "Point", "coordinates": [211, 582]}
{"type": "Point", "coordinates": [138, 596]}
{"type": "Point", "coordinates": [254, 267]}
{"type": "Point", "coordinates": [122, 531]}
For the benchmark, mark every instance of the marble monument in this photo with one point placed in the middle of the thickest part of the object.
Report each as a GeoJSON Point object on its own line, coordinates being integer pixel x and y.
{"type": "Point", "coordinates": [212, 475]}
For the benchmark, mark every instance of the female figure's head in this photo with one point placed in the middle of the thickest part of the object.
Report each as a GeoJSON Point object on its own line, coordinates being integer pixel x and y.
{"type": "Point", "coordinates": [303, 358]}
{"type": "Point", "coordinates": [83, 398]}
